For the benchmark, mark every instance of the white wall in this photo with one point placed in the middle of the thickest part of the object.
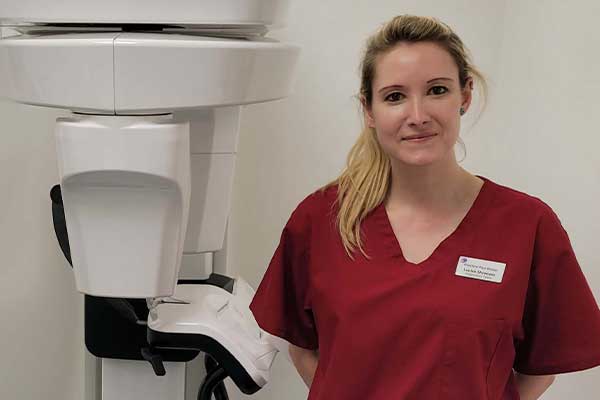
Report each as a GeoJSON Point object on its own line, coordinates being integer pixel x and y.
{"type": "Point", "coordinates": [41, 339]}
{"type": "Point", "coordinates": [535, 136]}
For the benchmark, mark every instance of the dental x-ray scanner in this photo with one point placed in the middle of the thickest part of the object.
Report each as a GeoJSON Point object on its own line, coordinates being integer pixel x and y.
{"type": "Point", "coordinates": [145, 160]}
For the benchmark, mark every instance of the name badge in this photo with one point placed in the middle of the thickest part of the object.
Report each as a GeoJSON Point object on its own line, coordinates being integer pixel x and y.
{"type": "Point", "coordinates": [476, 268]}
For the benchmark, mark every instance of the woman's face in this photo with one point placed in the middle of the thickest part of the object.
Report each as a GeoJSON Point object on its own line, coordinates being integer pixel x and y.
{"type": "Point", "coordinates": [408, 100]}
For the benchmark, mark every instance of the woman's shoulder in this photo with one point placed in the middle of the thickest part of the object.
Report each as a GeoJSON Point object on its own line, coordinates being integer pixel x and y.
{"type": "Point", "coordinates": [318, 203]}
{"type": "Point", "coordinates": [512, 198]}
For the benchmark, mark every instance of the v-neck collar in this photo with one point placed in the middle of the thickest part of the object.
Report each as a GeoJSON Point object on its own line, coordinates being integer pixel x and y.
{"type": "Point", "coordinates": [392, 248]}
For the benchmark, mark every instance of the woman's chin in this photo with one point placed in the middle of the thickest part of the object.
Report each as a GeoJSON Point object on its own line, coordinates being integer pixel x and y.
{"type": "Point", "coordinates": [418, 159]}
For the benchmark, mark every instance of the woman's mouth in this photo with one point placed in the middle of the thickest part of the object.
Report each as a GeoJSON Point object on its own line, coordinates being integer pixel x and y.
{"type": "Point", "coordinates": [420, 139]}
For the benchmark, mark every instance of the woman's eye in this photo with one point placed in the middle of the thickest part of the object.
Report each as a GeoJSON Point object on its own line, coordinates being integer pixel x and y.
{"type": "Point", "coordinates": [443, 87]}
{"type": "Point", "coordinates": [393, 97]}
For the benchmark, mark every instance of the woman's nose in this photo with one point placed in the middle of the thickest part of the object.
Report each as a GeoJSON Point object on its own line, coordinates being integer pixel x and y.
{"type": "Point", "coordinates": [417, 113]}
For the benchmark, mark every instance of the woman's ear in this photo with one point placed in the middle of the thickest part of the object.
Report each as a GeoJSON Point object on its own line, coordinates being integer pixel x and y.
{"type": "Point", "coordinates": [367, 113]}
{"type": "Point", "coordinates": [467, 94]}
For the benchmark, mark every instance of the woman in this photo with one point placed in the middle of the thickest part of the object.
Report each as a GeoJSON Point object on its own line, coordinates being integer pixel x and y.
{"type": "Point", "coordinates": [458, 279]}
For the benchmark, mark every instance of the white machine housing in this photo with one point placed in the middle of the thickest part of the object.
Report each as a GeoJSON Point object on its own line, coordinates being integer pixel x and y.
{"type": "Point", "coordinates": [210, 13]}
{"type": "Point", "coordinates": [146, 160]}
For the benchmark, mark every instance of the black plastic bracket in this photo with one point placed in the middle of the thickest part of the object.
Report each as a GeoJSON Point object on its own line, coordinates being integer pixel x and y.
{"type": "Point", "coordinates": [155, 360]}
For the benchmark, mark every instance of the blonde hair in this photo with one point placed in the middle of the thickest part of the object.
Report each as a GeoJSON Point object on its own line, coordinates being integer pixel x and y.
{"type": "Point", "coordinates": [365, 181]}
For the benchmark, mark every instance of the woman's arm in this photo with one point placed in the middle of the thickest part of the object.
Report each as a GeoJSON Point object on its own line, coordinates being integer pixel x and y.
{"type": "Point", "coordinates": [531, 387]}
{"type": "Point", "coordinates": [305, 361]}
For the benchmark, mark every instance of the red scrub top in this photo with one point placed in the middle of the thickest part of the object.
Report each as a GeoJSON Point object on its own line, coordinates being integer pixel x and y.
{"type": "Point", "coordinates": [388, 329]}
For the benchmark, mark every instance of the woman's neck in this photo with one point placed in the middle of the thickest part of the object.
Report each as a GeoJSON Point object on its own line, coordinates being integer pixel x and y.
{"type": "Point", "coordinates": [430, 189]}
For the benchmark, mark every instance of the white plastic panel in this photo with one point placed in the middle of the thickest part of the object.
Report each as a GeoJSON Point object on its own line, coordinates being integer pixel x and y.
{"type": "Point", "coordinates": [256, 12]}
{"type": "Point", "coordinates": [196, 266]}
{"type": "Point", "coordinates": [70, 71]}
{"type": "Point", "coordinates": [145, 73]}
{"type": "Point", "coordinates": [126, 187]}
{"type": "Point", "coordinates": [135, 380]}
{"type": "Point", "coordinates": [213, 130]}
{"type": "Point", "coordinates": [160, 73]}
{"type": "Point", "coordinates": [210, 203]}
{"type": "Point", "coordinates": [214, 136]}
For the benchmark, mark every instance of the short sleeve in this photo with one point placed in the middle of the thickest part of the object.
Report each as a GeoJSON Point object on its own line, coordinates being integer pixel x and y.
{"type": "Point", "coordinates": [561, 319]}
{"type": "Point", "coordinates": [281, 305]}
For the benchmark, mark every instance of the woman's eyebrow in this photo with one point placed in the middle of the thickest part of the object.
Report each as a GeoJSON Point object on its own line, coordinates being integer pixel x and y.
{"type": "Point", "coordinates": [429, 81]}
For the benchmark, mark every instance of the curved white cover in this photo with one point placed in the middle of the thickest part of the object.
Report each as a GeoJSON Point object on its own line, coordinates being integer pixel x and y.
{"type": "Point", "coordinates": [125, 185]}
{"type": "Point", "coordinates": [143, 73]}
{"type": "Point", "coordinates": [223, 316]}
{"type": "Point", "coordinates": [187, 12]}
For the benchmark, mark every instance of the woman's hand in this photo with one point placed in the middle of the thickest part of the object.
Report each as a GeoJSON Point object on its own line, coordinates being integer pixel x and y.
{"type": "Point", "coordinates": [531, 387]}
{"type": "Point", "coordinates": [305, 361]}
